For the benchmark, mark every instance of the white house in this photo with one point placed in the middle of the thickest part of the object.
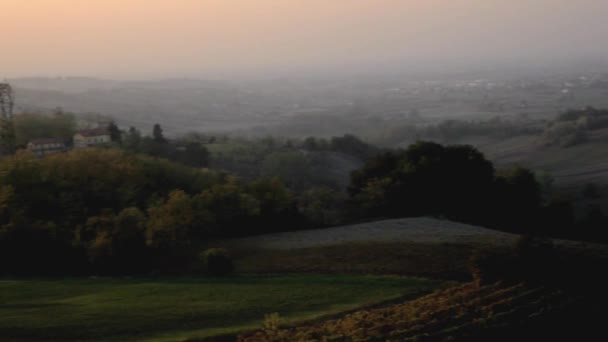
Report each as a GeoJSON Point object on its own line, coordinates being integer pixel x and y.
{"type": "Point", "coordinates": [91, 137]}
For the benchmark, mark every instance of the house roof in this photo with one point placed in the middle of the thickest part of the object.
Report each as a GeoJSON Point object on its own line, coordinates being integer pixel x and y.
{"type": "Point", "coordinates": [45, 141]}
{"type": "Point", "coordinates": [95, 132]}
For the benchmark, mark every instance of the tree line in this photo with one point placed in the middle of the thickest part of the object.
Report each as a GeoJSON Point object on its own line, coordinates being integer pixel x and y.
{"type": "Point", "coordinates": [112, 211]}
{"type": "Point", "coordinates": [106, 210]}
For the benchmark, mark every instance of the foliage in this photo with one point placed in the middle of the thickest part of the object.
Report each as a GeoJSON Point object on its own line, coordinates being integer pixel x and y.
{"type": "Point", "coordinates": [186, 152]}
{"type": "Point", "coordinates": [533, 260]}
{"type": "Point", "coordinates": [518, 201]}
{"type": "Point", "coordinates": [157, 134]}
{"type": "Point", "coordinates": [7, 136]}
{"type": "Point", "coordinates": [593, 118]}
{"type": "Point", "coordinates": [112, 211]}
{"type": "Point", "coordinates": [571, 127]}
{"type": "Point", "coordinates": [30, 126]}
{"type": "Point", "coordinates": [323, 206]}
{"type": "Point", "coordinates": [125, 213]}
{"type": "Point", "coordinates": [312, 162]}
{"type": "Point", "coordinates": [450, 130]}
{"type": "Point", "coordinates": [217, 262]}
{"type": "Point", "coordinates": [292, 167]}
{"type": "Point", "coordinates": [115, 133]}
{"type": "Point", "coordinates": [425, 179]}
{"type": "Point", "coordinates": [565, 134]}
{"type": "Point", "coordinates": [456, 182]}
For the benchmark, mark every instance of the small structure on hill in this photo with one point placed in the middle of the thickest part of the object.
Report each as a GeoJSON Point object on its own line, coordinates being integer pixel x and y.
{"type": "Point", "coordinates": [44, 147]}
{"type": "Point", "coordinates": [92, 137]}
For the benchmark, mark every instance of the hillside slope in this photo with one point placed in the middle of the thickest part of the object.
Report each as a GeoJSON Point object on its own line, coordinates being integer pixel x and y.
{"type": "Point", "coordinates": [415, 230]}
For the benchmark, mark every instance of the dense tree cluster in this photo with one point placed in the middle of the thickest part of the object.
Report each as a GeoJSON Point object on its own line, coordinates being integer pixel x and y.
{"type": "Point", "coordinates": [124, 213]}
{"type": "Point", "coordinates": [572, 127]}
{"type": "Point", "coordinates": [187, 152]}
{"type": "Point", "coordinates": [347, 144]}
{"type": "Point", "coordinates": [455, 182]}
{"type": "Point", "coordinates": [30, 126]}
{"type": "Point", "coordinates": [108, 210]}
{"type": "Point", "coordinates": [301, 164]}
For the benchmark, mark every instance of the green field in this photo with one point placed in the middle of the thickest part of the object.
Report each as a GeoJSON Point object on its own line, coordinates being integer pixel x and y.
{"type": "Point", "coordinates": [148, 309]}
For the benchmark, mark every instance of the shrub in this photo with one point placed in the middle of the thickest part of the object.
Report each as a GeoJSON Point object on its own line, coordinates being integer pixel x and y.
{"type": "Point", "coordinates": [488, 267]}
{"type": "Point", "coordinates": [532, 260]}
{"type": "Point", "coordinates": [217, 262]}
{"type": "Point", "coordinates": [537, 259]}
{"type": "Point", "coordinates": [565, 134]}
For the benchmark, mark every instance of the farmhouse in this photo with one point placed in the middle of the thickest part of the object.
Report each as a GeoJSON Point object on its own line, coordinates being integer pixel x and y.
{"type": "Point", "coordinates": [91, 137]}
{"type": "Point", "coordinates": [43, 147]}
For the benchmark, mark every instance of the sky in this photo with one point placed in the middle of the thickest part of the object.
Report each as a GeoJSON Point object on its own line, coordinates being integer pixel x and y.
{"type": "Point", "coordinates": [161, 38]}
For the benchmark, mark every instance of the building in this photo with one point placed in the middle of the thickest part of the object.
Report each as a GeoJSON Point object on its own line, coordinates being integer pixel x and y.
{"type": "Point", "coordinates": [91, 137]}
{"type": "Point", "coordinates": [44, 147]}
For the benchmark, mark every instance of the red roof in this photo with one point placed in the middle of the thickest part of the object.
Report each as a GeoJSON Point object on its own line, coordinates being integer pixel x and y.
{"type": "Point", "coordinates": [95, 132]}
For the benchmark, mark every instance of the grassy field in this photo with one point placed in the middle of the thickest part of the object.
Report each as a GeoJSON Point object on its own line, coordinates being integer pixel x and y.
{"type": "Point", "coordinates": [174, 309]}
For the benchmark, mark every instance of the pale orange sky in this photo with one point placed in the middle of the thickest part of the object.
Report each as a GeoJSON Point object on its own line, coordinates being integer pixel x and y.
{"type": "Point", "coordinates": [180, 37]}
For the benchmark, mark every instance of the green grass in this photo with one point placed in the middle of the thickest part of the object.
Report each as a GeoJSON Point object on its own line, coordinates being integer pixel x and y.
{"type": "Point", "coordinates": [146, 309]}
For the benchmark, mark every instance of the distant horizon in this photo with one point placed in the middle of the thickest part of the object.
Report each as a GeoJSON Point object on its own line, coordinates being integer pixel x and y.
{"type": "Point", "coordinates": [337, 73]}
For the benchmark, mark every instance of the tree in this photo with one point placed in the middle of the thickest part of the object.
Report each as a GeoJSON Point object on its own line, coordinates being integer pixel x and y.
{"type": "Point", "coordinates": [217, 262]}
{"type": "Point", "coordinates": [7, 136]}
{"type": "Point", "coordinates": [310, 144]}
{"type": "Point", "coordinates": [350, 144]}
{"type": "Point", "coordinates": [30, 126]}
{"type": "Point", "coordinates": [7, 128]}
{"type": "Point", "coordinates": [591, 192]}
{"type": "Point", "coordinates": [170, 223]}
{"type": "Point", "coordinates": [427, 178]}
{"type": "Point", "coordinates": [128, 241]}
{"type": "Point", "coordinates": [322, 206]}
{"type": "Point", "coordinates": [157, 134]}
{"type": "Point", "coordinates": [292, 167]}
{"type": "Point", "coordinates": [115, 133]}
{"type": "Point", "coordinates": [132, 140]}
{"type": "Point", "coordinates": [518, 198]}
{"type": "Point", "coordinates": [193, 154]}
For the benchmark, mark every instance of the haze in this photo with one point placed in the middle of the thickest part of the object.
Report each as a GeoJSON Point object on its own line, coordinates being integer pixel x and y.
{"type": "Point", "coordinates": [159, 38]}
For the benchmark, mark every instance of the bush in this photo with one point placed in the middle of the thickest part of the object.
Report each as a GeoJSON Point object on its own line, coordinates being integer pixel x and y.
{"type": "Point", "coordinates": [537, 258]}
{"type": "Point", "coordinates": [217, 262]}
{"type": "Point", "coordinates": [488, 267]}
{"type": "Point", "coordinates": [532, 260]}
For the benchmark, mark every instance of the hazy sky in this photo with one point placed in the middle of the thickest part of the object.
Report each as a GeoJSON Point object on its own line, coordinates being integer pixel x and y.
{"type": "Point", "coordinates": [149, 38]}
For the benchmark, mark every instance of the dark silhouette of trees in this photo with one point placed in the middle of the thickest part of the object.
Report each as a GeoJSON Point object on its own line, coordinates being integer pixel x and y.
{"type": "Point", "coordinates": [115, 133]}
{"type": "Point", "coordinates": [518, 200]}
{"type": "Point", "coordinates": [192, 154]}
{"type": "Point", "coordinates": [157, 134]}
{"type": "Point", "coordinates": [7, 126]}
{"type": "Point", "coordinates": [455, 182]}
{"type": "Point", "coordinates": [132, 140]}
{"type": "Point", "coordinates": [111, 212]}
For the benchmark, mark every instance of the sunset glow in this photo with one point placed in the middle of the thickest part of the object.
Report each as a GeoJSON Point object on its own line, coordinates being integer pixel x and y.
{"type": "Point", "coordinates": [178, 36]}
